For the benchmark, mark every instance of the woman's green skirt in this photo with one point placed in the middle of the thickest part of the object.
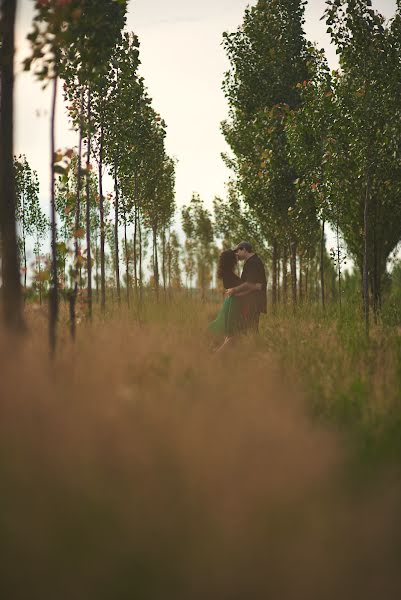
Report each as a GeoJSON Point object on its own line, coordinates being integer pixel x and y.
{"type": "Point", "coordinates": [228, 321]}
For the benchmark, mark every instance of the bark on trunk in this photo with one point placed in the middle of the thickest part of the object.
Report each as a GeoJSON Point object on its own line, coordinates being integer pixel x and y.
{"type": "Point", "coordinates": [135, 249]}
{"type": "Point", "coordinates": [301, 282]}
{"type": "Point", "coordinates": [102, 231]}
{"type": "Point", "coordinates": [169, 259]}
{"type": "Point", "coordinates": [278, 279]}
{"type": "Point", "coordinates": [97, 268]}
{"type": "Point", "coordinates": [164, 262]}
{"type": "Point", "coordinates": [53, 313]}
{"type": "Point", "coordinates": [274, 273]}
{"type": "Point", "coordinates": [140, 258]}
{"type": "Point", "coordinates": [155, 264]}
{"type": "Point", "coordinates": [116, 242]}
{"type": "Point", "coordinates": [322, 290]}
{"type": "Point", "coordinates": [73, 295]}
{"type": "Point", "coordinates": [294, 272]}
{"type": "Point", "coordinates": [11, 284]}
{"type": "Point", "coordinates": [88, 213]}
{"type": "Point", "coordinates": [25, 263]}
{"type": "Point", "coordinates": [285, 274]}
{"type": "Point", "coordinates": [339, 267]}
{"type": "Point", "coordinates": [366, 256]}
{"type": "Point", "coordinates": [375, 277]}
{"type": "Point", "coordinates": [127, 278]}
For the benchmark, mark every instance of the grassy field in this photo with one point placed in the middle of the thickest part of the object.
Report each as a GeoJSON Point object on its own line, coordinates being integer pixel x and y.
{"type": "Point", "coordinates": [141, 465]}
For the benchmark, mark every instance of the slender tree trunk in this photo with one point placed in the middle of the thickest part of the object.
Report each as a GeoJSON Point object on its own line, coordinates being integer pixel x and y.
{"type": "Point", "coordinates": [307, 269]}
{"type": "Point", "coordinates": [135, 249]}
{"type": "Point", "coordinates": [322, 290]}
{"type": "Point", "coordinates": [11, 283]}
{"type": "Point", "coordinates": [25, 262]}
{"type": "Point", "coordinates": [278, 278]}
{"type": "Point", "coordinates": [74, 293]}
{"type": "Point", "coordinates": [155, 263]}
{"type": "Point", "coordinates": [140, 259]}
{"type": "Point", "coordinates": [285, 274]}
{"type": "Point", "coordinates": [88, 211]}
{"type": "Point", "coordinates": [366, 255]}
{"type": "Point", "coordinates": [127, 277]}
{"type": "Point", "coordinates": [40, 279]}
{"type": "Point", "coordinates": [53, 314]}
{"type": "Point", "coordinates": [164, 263]}
{"type": "Point", "coordinates": [102, 229]}
{"type": "Point", "coordinates": [97, 268]}
{"type": "Point", "coordinates": [339, 266]}
{"type": "Point", "coordinates": [293, 262]}
{"type": "Point", "coordinates": [274, 273]}
{"type": "Point", "coordinates": [116, 242]}
{"type": "Point", "coordinates": [301, 280]}
{"type": "Point", "coordinates": [375, 265]}
{"type": "Point", "coordinates": [169, 259]}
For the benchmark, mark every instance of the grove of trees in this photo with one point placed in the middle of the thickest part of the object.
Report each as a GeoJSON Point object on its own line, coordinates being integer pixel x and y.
{"type": "Point", "coordinates": [310, 146]}
{"type": "Point", "coordinates": [310, 149]}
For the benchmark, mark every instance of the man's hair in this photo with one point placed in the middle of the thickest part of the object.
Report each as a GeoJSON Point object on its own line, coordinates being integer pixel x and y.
{"type": "Point", "coordinates": [244, 246]}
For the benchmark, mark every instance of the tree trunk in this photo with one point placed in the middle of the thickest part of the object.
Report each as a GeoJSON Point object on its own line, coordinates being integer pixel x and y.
{"type": "Point", "coordinates": [25, 263]}
{"type": "Point", "coordinates": [339, 266]}
{"type": "Point", "coordinates": [88, 212]}
{"type": "Point", "coordinates": [169, 259]}
{"type": "Point", "coordinates": [73, 295]}
{"type": "Point", "coordinates": [301, 281]}
{"type": "Point", "coordinates": [164, 262]}
{"type": "Point", "coordinates": [135, 249]}
{"type": "Point", "coordinates": [307, 279]}
{"type": "Point", "coordinates": [126, 259]}
{"type": "Point", "coordinates": [97, 268]}
{"type": "Point", "coordinates": [102, 231]}
{"type": "Point", "coordinates": [322, 290]}
{"type": "Point", "coordinates": [366, 256]}
{"type": "Point", "coordinates": [274, 273]}
{"type": "Point", "coordinates": [285, 274]}
{"type": "Point", "coordinates": [40, 281]}
{"type": "Point", "coordinates": [11, 283]}
{"type": "Point", "coordinates": [155, 263]}
{"type": "Point", "coordinates": [53, 313]}
{"type": "Point", "coordinates": [116, 242]}
{"type": "Point", "coordinates": [375, 276]}
{"type": "Point", "coordinates": [293, 262]}
{"type": "Point", "coordinates": [140, 258]}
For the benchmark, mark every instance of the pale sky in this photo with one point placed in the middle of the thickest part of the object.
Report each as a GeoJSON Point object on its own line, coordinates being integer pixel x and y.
{"type": "Point", "coordinates": [183, 64]}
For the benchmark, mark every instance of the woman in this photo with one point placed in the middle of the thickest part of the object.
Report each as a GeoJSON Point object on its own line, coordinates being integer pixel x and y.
{"type": "Point", "coordinates": [229, 321]}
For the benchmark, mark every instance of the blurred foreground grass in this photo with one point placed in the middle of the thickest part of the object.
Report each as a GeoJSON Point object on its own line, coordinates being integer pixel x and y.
{"type": "Point", "coordinates": [142, 466]}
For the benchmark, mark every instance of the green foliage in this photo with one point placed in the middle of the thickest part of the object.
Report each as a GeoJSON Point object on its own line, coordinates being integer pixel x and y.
{"type": "Point", "coordinates": [31, 221]}
{"type": "Point", "coordinates": [268, 56]}
{"type": "Point", "coordinates": [198, 227]}
{"type": "Point", "coordinates": [362, 144]}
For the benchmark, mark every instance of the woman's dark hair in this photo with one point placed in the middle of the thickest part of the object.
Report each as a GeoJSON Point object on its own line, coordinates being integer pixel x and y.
{"type": "Point", "coordinates": [227, 262]}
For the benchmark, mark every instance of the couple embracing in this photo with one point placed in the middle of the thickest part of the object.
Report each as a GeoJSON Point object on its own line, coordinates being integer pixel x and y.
{"type": "Point", "coordinates": [245, 296]}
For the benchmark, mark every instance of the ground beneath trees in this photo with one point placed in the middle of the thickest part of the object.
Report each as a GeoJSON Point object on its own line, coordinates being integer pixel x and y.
{"type": "Point", "coordinates": [140, 465]}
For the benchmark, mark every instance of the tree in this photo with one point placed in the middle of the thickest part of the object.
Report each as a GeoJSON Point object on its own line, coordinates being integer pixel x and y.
{"type": "Point", "coordinates": [30, 218]}
{"type": "Point", "coordinates": [198, 227]}
{"type": "Point", "coordinates": [53, 33]}
{"type": "Point", "coordinates": [268, 57]}
{"type": "Point", "coordinates": [364, 166]}
{"type": "Point", "coordinates": [11, 286]}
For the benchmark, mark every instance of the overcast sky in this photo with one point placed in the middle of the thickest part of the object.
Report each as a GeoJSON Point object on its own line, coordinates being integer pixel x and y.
{"type": "Point", "coordinates": [183, 64]}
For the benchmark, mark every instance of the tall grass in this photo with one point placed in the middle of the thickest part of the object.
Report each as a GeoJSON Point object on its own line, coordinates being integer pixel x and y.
{"type": "Point", "coordinates": [348, 379]}
{"type": "Point", "coordinates": [141, 465]}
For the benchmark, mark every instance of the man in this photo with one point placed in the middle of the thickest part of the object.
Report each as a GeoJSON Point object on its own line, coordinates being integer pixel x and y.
{"type": "Point", "coordinates": [253, 287]}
